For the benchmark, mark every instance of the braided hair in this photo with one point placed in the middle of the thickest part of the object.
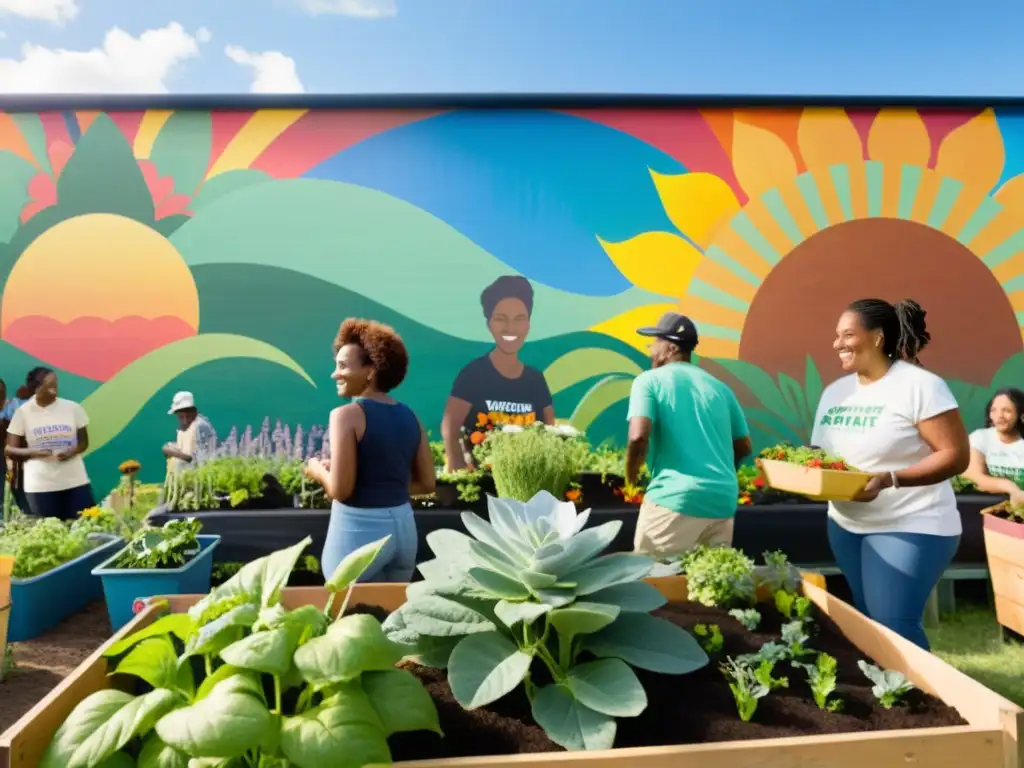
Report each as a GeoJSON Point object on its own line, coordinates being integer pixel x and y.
{"type": "Point", "coordinates": [904, 334]}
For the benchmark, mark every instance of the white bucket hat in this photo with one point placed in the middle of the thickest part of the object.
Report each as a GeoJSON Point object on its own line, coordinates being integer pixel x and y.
{"type": "Point", "coordinates": [181, 401]}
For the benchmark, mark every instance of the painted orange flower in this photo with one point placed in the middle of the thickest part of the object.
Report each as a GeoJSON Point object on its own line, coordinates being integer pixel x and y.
{"type": "Point", "coordinates": [42, 188]}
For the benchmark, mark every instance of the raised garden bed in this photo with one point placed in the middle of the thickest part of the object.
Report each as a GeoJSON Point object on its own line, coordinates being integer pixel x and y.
{"type": "Point", "coordinates": [797, 528]}
{"type": "Point", "coordinates": [41, 602]}
{"type": "Point", "coordinates": [980, 728]}
{"type": "Point", "coordinates": [1004, 542]}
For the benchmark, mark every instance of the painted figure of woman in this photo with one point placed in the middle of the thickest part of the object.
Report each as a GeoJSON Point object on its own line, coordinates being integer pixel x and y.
{"type": "Point", "coordinates": [498, 388]}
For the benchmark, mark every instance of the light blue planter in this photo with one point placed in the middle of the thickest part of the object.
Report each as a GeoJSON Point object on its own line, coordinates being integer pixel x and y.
{"type": "Point", "coordinates": [122, 586]}
{"type": "Point", "coordinates": [41, 602]}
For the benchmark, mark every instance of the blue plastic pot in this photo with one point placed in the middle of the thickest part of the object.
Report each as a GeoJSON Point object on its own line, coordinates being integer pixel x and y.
{"type": "Point", "coordinates": [41, 602]}
{"type": "Point", "coordinates": [122, 586]}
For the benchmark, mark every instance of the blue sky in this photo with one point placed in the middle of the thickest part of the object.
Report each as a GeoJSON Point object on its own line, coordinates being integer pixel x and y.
{"type": "Point", "coordinates": [906, 47]}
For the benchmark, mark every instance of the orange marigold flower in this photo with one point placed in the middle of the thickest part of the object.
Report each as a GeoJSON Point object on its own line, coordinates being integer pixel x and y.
{"type": "Point", "coordinates": [476, 438]}
{"type": "Point", "coordinates": [481, 419]}
{"type": "Point", "coordinates": [573, 494]}
{"type": "Point", "coordinates": [129, 467]}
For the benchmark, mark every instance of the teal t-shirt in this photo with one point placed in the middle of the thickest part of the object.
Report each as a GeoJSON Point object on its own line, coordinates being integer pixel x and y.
{"type": "Point", "coordinates": [695, 419]}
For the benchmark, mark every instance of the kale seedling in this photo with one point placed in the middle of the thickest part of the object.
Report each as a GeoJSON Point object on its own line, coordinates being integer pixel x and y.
{"type": "Point", "coordinates": [889, 686]}
{"type": "Point", "coordinates": [821, 676]}
{"type": "Point", "coordinates": [778, 573]}
{"type": "Point", "coordinates": [745, 686]}
{"type": "Point", "coordinates": [748, 617]}
{"type": "Point", "coordinates": [794, 636]}
{"type": "Point", "coordinates": [770, 651]}
{"type": "Point", "coordinates": [710, 637]}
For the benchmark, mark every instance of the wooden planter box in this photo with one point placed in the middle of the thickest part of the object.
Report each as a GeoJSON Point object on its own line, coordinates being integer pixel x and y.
{"type": "Point", "coordinates": [1004, 545]}
{"type": "Point", "coordinates": [990, 741]}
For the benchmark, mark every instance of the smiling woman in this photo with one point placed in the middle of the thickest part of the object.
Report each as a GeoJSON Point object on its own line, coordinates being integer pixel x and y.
{"type": "Point", "coordinates": [497, 388]}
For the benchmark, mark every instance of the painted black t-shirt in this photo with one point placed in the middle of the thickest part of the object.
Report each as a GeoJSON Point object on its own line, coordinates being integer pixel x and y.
{"type": "Point", "coordinates": [497, 400]}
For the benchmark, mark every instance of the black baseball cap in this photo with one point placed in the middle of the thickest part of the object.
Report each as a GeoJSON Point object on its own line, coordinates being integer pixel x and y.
{"type": "Point", "coordinates": [673, 327]}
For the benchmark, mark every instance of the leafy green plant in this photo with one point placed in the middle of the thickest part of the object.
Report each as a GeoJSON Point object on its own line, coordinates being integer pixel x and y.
{"type": "Point", "coordinates": [270, 687]}
{"type": "Point", "coordinates": [169, 546]}
{"type": "Point", "coordinates": [821, 676]}
{"type": "Point", "coordinates": [40, 545]}
{"type": "Point", "coordinates": [746, 688]}
{"type": "Point", "coordinates": [763, 672]}
{"type": "Point", "coordinates": [770, 651]}
{"type": "Point", "coordinates": [792, 606]}
{"type": "Point", "coordinates": [778, 573]}
{"type": "Point", "coordinates": [709, 637]}
{"type": "Point", "coordinates": [231, 479]}
{"type": "Point", "coordinates": [748, 617]}
{"type": "Point", "coordinates": [962, 485]}
{"type": "Point", "coordinates": [795, 639]}
{"type": "Point", "coordinates": [466, 482]}
{"type": "Point", "coordinates": [889, 686]}
{"type": "Point", "coordinates": [530, 588]}
{"type": "Point", "coordinates": [524, 463]}
{"type": "Point", "coordinates": [719, 576]}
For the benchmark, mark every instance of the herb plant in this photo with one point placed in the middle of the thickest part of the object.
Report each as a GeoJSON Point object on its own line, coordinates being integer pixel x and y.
{"type": "Point", "coordinates": [719, 576]}
{"type": "Point", "coordinates": [532, 460]}
{"type": "Point", "coordinates": [763, 673]}
{"type": "Point", "coordinates": [466, 482]}
{"type": "Point", "coordinates": [792, 606]}
{"type": "Point", "coordinates": [531, 588]}
{"type": "Point", "coordinates": [241, 681]}
{"type": "Point", "coordinates": [821, 676]}
{"type": "Point", "coordinates": [794, 637]}
{"type": "Point", "coordinates": [746, 688]}
{"type": "Point", "coordinates": [748, 617]}
{"type": "Point", "coordinates": [778, 573]}
{"type": "Point", "coordinates": [709, 637]}
{"type": "Point", "coordinates": [170, 546]}
{"type": "Point", "coordinates": [889, 686]}
{"type": "Point", "coordinates": [806, 456]}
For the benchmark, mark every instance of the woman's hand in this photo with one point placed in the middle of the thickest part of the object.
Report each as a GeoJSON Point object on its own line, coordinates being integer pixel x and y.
{"type": "Point", "coordinates": [42, 453]}
{"type": "Point", "coordinates": [316, 469]}
{"type": "Point", "coordinates": [878, 483]}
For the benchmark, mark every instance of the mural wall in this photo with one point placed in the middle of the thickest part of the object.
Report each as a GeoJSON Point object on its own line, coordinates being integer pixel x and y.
{"type": "Point", "coordinates": [151, 251]}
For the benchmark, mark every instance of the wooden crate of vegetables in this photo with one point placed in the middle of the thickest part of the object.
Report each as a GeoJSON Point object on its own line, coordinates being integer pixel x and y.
{"type": "Point", "coordinates": [1004, 548]}
{"type": "Point", "coordinates": [523, 645]}
{"type": "Point", "coordinates": [811, 472]}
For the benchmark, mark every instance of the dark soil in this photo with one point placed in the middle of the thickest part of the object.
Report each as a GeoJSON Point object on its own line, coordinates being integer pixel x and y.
{"type": "Point", "coordinates": [40, 664]}
{"type": "Point", "coordinates": [690, 709]}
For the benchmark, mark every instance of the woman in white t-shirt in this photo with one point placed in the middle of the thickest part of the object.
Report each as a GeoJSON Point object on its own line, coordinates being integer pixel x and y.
{"type": "Point", "coordinates": [894, 419]}
{"type": "Point", "coordinates": [997, 451]}
{"type": "Point", "coordinates": [50, 434]}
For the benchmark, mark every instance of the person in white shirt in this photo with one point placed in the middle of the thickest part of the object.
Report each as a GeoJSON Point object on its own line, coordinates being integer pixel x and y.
{"type": "Point", "coordinates": [997, 451]}
{"type": "Point", "coordinates": [196, 439]}
{"type": "Point", "coordinates": [901, 423]}
{"type": "Point", "coordinates": [50, 434]}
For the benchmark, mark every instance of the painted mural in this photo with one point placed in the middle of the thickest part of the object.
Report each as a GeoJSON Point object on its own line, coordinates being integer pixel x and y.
{"type": "Point", "coordinates": [148, 252]}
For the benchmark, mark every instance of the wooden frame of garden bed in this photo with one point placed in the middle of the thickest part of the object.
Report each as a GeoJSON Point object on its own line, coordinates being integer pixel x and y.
{"type": "Point", "coordinates": [989, 741]}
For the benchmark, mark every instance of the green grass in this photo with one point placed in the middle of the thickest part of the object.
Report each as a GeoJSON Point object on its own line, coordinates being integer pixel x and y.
{"type": "Point", "coordinates": [970, 641]}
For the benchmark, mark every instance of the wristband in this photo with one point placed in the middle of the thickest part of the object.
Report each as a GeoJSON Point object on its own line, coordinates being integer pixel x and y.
{"type": "Point", "coordinates": [895, 482]}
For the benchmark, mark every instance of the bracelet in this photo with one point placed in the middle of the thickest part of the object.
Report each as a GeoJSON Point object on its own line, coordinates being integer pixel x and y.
{"type": "Point", "coordinates": [895, 481]}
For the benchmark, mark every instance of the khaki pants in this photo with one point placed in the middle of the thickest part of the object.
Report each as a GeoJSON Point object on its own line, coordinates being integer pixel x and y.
{"type": "Point", "coordinates": [662, 532]}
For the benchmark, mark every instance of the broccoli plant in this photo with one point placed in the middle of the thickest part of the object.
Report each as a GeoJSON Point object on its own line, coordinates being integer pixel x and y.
{"type": "Point", "coordinates": [709, 637]}
{"type": "Point", "coordinates": [748, 617]}
{"type": "Point", "coordinates": [719, 576]}
{"type": "Point", "coordinates": [230, 706]}
{"type": "Point", "coordinates": [821, 676]}
{"type": "Point", "coordinates": [529, 588]}
{"type": "Point", "coordinates": [746, 688]}
{"type": "Point", "coordinates": [889, 686]}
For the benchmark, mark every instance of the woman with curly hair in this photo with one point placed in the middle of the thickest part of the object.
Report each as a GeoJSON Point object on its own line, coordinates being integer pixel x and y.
{"type": "Point", "coordinates": [997, 451]}
{"type": "Point", "coordinates": [379, 454]}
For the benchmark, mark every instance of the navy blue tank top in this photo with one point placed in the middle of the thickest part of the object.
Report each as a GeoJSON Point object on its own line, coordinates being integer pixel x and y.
{"type": "Point", "coordinates": [384, 455]}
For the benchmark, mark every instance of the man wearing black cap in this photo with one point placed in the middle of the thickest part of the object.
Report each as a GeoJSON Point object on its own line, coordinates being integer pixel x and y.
{"type": "Point", "coordinates": [690, 428]}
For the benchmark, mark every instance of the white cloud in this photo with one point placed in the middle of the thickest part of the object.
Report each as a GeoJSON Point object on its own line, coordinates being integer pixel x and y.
{"type": "Point", "coordinates": [123, 64]}
{"type": "Point", "coordinates": [57, 11]}
{"type": "Point", "coordinates": [361, 9]}
{"type": "Point", "coordinates": [273, 72]}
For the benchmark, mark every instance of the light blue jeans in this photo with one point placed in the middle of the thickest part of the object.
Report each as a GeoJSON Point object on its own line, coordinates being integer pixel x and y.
{"type": "Point", "coordinates": [352, 527]}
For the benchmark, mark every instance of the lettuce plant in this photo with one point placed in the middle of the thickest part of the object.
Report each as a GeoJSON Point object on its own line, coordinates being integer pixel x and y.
{"type": "Point", "coordinates": [241, 681]}
{"type": "Point", "coordinates": [822, 678]}
{"type": "Point", "coordinates": [889, 686]}
{"type": "Point", "coordinates": [746, 686]}
{"type": "Point", "coordinates": [531, 588]}
{"type": "Point", "coordinates": [748, 617]}
{"type": "Point", "coordinates": [719, 576]}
